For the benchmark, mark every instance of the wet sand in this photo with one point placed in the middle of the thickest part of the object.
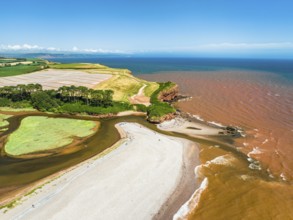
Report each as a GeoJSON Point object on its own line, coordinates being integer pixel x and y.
{"type": "Point", "coordinates": [137, 180]}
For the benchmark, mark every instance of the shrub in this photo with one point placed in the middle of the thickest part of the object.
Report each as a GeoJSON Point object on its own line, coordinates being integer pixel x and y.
{"type": "Point", "coordinates": [160, 109]}
{"type": "Point", "coordinates": [4, 102]}
{"type": "Point", "coordinates": [140, 108]}
{"type": "Point", "coordinates": [74, 108]}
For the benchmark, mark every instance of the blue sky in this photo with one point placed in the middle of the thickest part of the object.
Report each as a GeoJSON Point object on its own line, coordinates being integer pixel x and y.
{"type": "Point", "coordinates": [249, 28]}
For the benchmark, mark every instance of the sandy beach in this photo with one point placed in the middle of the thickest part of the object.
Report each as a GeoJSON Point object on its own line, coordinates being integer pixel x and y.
{"type": "Point", "coordinates": [143, 178]}
{"type": "Point", "coordinates": [193, 129]}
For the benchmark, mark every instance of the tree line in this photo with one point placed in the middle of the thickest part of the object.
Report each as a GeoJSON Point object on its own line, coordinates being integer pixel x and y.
{"type": "Point", "coordinates": [79, 99]}
{"type": "Point", "coordinates": [45, 100]}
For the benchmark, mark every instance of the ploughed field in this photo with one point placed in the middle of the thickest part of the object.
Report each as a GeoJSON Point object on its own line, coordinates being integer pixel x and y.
{"type": "Point", "coordinates": [54, 78]}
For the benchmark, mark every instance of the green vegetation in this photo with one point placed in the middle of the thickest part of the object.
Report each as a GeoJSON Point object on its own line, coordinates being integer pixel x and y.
{"type": "Point", "coordinates": [81, 100]}
{"type": "Point", "coordinates": [125, 86]}
{"type": "Point", "coordinates": [7, 103]}
{"type": "Point", "coordinates": [162, 88]}
{"type": "Point", "coordinates": [110, 96]}
{"type": "Point", "coordinates": [42, 101]}
{"type": "Point", "coordinates": [32, 95]}
{"type": "Point", "coordinates": [11, 60]}
{"type": "Point", "coordinates": [13, 67]}
{"type": "Point", "coordinates": [156, 111]}
{"type": "Point", "coordinates": [150, 88]}
{"type": "Point", "coordinates": [77, 66]}
{"type": "Point", "coordinates": [140, 108]}
{"type": "Point", "coordinates": [78, 108]}
{"type": "Point", "coordinates": [3, 121]}
{"type": "Point", "coordinates": [159, 109]}
{"type": "Point", "coordinates": [38, 133]}
{"type": "Point", "coordinates": [19, 69]}
{"type": "Point", "coordinates": [10, 109]}
{"type": "Point", "coordinates": [90, 67]}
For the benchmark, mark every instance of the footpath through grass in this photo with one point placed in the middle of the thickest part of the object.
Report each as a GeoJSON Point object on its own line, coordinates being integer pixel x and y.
{"type": "Point", "coordinates": [38, 133]}
{"type": "Point", "coordinates": [125, 86]}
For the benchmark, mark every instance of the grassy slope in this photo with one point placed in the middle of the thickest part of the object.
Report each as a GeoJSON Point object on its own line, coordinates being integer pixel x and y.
{"type": "Point", "coordinates": [77, 66]}
{"type": "Point", "coordinates": [126, 85]}
{"type": "Point", "coordinates": [38, 133]}
{"type": "Point", "coordinates": [90, 67]}
{"type": "Point", "coordinates": [122, 82]}
{"type": "Point", "coordinates": [3, 122]}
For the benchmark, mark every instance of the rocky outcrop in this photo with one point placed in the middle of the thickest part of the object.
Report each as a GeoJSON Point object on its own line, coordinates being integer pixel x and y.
{"type": "Point", "coordinates": [158, 120]}
{"type": "Point", "coordinates": [169, 94]}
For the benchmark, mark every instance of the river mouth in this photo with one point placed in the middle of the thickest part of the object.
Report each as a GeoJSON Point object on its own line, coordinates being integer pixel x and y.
{"type": "Point", "coordinates": [17, 174]}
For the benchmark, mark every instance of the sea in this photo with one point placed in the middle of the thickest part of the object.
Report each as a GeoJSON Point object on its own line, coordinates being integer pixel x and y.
{"type": "Point", "coordinates": [255, 95]}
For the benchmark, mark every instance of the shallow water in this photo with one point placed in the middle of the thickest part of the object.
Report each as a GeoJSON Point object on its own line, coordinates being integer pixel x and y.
{"type": "Point", "coordinates": [262, 104]}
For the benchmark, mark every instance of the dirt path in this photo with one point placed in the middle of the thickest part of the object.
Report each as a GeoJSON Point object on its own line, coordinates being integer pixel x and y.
{"type": "Point", "coordinates": [140, 97]}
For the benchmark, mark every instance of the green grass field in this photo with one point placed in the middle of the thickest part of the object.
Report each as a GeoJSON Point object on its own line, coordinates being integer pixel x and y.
{"type": "Point", "coordinates": [3, 121]}
{"type": "Point", "coordinates": [38, 133]}
{"type": "Point", "coordinates": [19, 69]}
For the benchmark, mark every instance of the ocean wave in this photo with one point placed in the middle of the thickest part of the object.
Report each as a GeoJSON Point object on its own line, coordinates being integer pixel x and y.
{"type": "Point", "coordinates": [192, 203]}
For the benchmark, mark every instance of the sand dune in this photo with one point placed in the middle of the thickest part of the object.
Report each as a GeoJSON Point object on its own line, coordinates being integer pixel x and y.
{"type": "Point", "coordinates": [133, 181]}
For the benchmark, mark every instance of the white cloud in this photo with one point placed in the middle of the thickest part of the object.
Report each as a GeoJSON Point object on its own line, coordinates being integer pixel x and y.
{"type": "Point", "coordinates": [36, 48]}
{"type": "Point", "coordinates": [53, 49]}
{"type": "Point", "coordinates": [21, 47]}
{"type": "Point", "coordinates": [90, 50]}
{"type": "Point", "coordinates": [200, 48]}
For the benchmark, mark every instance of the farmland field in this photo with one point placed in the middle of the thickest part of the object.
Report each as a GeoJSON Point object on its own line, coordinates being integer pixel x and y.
{"type": "Point", "coordinates": [13, 66]}
{"type": "Point", "coordinates": [53, 78]}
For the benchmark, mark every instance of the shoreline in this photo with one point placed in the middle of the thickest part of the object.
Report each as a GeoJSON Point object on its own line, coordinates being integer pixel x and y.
{"type": "Point", "coordinates": [187, 184]}
{"type": "Point", "coordinates": [173, 200]}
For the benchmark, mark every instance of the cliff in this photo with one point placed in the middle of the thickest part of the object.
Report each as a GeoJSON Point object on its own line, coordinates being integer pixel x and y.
{"type": "Point", "coordinates": [169, 94]}
{"type": "Point", "coordinates": [160, 110]}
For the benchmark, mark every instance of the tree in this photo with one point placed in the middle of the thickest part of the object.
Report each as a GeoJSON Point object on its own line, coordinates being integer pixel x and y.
{"type": "Point", "coordinates": [42, 101]}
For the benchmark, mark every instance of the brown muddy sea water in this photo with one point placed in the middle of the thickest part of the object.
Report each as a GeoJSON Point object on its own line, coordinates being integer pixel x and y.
{"type": "Point", "coordinates": [262, 105]}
